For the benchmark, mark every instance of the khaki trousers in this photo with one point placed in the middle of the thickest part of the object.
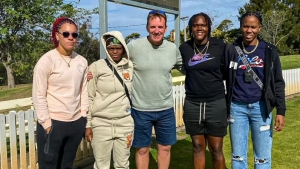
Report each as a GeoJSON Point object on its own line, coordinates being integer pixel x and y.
{"type": "Point", "coordinates": [114, 141]}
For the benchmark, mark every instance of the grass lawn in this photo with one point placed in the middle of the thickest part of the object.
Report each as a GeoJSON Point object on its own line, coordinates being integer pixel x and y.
{"type": "Point", "coordinates": [20, 91]}
{"type": "Point", "coordinates": [176, 73]}
{"type": "Point", "coordinates": [290, 62]}
{"type": "Point", "coordinates": [285, 153]}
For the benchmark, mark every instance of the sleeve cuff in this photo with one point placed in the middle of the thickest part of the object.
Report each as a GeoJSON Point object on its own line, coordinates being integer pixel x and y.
{"type": "Point", "coordinates": [83, 113]}
{"type": "Point", "coordinates": [47, 123]}
{"type": "Point", "coordinates": [281, 112]}
{"type": "Point", "coordinates": [88, 124]}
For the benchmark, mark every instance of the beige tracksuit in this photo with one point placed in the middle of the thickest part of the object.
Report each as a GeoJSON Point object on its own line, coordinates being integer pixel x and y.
{"type": "Point", "coordinates": [109, 113]}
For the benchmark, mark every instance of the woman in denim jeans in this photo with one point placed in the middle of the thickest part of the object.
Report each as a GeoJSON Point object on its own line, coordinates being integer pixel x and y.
{"type": "Point", "coordinates": [251, 101]}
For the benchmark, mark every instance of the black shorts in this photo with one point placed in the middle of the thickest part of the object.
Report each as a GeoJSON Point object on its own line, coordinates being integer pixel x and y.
{"type": "Point", "coordinates": [205, 118]}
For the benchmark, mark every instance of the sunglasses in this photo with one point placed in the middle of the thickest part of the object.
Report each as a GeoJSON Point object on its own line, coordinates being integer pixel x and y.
{"type": "Point", "coordinates": [67, 34]}
{"type": "Point", "coordinates": [157, 11]}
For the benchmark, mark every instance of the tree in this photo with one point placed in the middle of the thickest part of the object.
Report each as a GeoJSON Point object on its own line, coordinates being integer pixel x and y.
{"type": "Point", "coordinates": [222, 29]}
{"type": "Point", "coordinates": [231, 35]}
{"type": "Point", "coordinates": [88, 46]}
{"type": "Point", "coordinates": [273, 22]}
{"type": "Point", "coordinates": [132, 37]}
{"type": "Point", "coordinates": [23, 24]}
{"type": "Point", "coordinates": [225, 25]}
{"type": "Point", "coordinates": [2, 75]}
{"type": "Point", "coordinates": [293, 39]}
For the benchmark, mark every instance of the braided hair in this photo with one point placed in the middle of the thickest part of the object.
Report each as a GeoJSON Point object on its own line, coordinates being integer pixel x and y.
{"type": "Point", "coordinates": [192, 20]}
{"type": "Point", "coordinates": [57, 25]}
{"type": "Point", "coordinates": [256, 14]}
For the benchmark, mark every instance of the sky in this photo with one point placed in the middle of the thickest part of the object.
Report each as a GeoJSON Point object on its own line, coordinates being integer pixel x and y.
{"type": "Point", "coordinates": [123, 17]}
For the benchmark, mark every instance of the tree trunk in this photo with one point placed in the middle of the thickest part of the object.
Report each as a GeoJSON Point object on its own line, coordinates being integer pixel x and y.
{"type": "Point", "coordinates": [10, 75]}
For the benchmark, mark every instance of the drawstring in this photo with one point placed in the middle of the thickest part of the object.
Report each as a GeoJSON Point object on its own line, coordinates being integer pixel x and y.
{"type": "Point", "coordinates": [200, 113]}
{"type": "Point", "coordinates": [114, 80]}
{"type": "Point", "coordinates": [113, 128]}
{"type": "Point", "coordinates": [204, 111]}
{"type": "Point", "coordinates": [123, 75]}
{"type": "Point", "coordinates": [204, 105]}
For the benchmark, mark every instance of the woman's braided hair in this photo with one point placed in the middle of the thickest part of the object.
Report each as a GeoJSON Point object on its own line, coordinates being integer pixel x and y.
{"type": "Point", "coordinates": [192, 20]}
{"type": "Point", "coordinates": [256, 14]}
{"type": "Point", "coordinates": [57, 25]}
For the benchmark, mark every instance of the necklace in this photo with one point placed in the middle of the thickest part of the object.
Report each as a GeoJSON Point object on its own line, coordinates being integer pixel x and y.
{"type": "Point", "coordinates": [200, 55]}
{"type": "Point", "coordinates": [251, 50]}
{"type": "Point", "coordinates": [65, 60]}
{"type": "Point", "coordinates": [205, 48]}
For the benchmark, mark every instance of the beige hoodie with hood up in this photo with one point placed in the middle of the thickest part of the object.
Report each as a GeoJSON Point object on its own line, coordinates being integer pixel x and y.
{"type": "Point", "coordinates": [109, 105]}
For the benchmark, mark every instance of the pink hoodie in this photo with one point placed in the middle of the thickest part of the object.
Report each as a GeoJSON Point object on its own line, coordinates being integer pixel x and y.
{"type": "Point", "coordinates": [60, 92]}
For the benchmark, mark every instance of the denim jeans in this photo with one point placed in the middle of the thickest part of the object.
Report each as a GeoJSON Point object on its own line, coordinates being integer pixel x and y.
{"type": "Point", "coordinates": [164, 124]}
{"type": "Point", "coordinates": [245, 116]}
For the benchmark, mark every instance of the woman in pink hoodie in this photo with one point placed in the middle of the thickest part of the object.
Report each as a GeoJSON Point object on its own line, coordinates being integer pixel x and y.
{"type": "Point", "coordinates": [60, 98]}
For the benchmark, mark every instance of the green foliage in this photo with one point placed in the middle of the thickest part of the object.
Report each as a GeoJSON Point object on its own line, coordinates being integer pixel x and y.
{"type": "Point", "coordinates": [132, 36]}
{"type": "Point", "coordinates": [89, 45]}
{"type": "Point", "coordinates": [3, 76]}
{"type": "Point", "coordinates": [24, 33]}
{"type": "Point", "coordinates": [231, 35]}
{"type": "Point", "coordinates": [217, 33]}
{"type": "Point", "coordinates": [225, 25]}
{"type": "Point", "coordinates": [26, 29]}
{"type": "Point", "coordinates": [223, 31]}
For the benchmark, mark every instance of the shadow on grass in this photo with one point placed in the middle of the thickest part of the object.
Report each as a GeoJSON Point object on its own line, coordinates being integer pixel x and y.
{"type": "Point", "coordinates": [182, 156]}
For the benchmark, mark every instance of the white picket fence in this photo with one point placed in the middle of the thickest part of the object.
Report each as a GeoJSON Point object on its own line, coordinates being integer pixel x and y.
{"type": "Point", "coordinates": [19, 155]}
{"type": "Point", "coordinates": [292, 81]}
{"type": "Point", "coordinates": [18, 141]}
{"type": "Point", "coordinates": [178, 97]}
{"type": "Point", "coordinates": [17, 130]}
